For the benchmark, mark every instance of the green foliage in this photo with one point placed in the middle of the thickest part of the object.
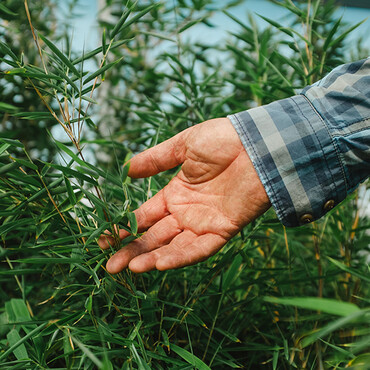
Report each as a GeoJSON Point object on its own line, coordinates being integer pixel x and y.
{"type": "Point", "coordinates": [272, 298]}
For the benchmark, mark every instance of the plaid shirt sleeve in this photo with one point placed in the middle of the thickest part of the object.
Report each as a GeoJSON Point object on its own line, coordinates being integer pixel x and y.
{"type": "Point", "coordinates": [312, 149]}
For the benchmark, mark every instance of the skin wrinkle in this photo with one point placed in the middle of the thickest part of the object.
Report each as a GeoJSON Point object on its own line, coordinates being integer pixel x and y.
{"type": "Point", "coordinates": [153, 161]}
{"type": "Point", "coordinates": [202, 207]}
{"type": "Point", "coordinates": [195, 201]}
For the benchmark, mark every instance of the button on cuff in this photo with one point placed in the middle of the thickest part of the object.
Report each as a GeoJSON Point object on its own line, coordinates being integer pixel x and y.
{"type": "Point", "coordinates": [306, 219]}
{"type": "Point", "coordinates": [329, 205]}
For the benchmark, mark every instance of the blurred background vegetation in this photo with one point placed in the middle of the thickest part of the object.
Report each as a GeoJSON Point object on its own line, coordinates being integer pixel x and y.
{"type": "Point", "coordinates": [272, 298]}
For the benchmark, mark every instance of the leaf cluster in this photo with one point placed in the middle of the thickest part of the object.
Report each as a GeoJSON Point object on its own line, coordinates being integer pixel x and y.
{"type": "Point", "coordinates": [273, 297]}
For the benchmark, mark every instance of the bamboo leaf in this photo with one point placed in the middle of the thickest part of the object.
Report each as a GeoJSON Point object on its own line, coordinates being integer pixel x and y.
{"type": "Point", "coordinates": [190, 24]}
{"type": "Point", "coordinates": [88, 166]}
{"type": "Point", "coordinates": [4, 9]}
{"type": "Point", "coordinates": [103, 42]}
{"type": "Point", "coordinates": [335, 325]}
{"type": "Point", "coordinates": [336, 41]}
{"type": "Point", "coordinates": [5, 107]}
{"type": "Point", "coordinates": [98, 50]}
{"type": "Point", "coordinates": [90, 100]}
{"type": "Point", "coordinates": [277, 25]}
{"type": "Point", "coordinates": [13, 142]}
{"type": "Point", "coordinates": [60, 55]}
{"type": "Point", "coordinates": [8, 168]}
{"type": "Point", "coordinates": [330, 306]}
{"type": "Point", "coordinates": [189, 357]}
{"type": "Point", "coordinates": [25, 163]}
{"type": "Point", "coordinates": [135, 18]}
{"type": "Point", "coordinates": [71, 172]}
{"type": "Point", "coordinates": [6, 50]}
{"type": "Point", "coordinates": [19, 342]}
{"type": "Point", "coordinates": [101, 70]}
{"type": "Point", "coordinates": [71, 194]}
{"type": "Point", "coordinates": [350, 270]}
{"type": "Point", "coordinates": [331, 34]}
{"type": "Point", "coordinates": [133, 222]}
{"type": "Point", "coordinates": [19, 350]}
{"type": "Point", "coordinates": [120, 22]}
{"type": "Point", "coordinates": [158, 35]}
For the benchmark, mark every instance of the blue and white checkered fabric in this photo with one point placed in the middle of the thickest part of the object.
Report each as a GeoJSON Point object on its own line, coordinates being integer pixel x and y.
{"type": "Point", "coordinates": [312, 149]}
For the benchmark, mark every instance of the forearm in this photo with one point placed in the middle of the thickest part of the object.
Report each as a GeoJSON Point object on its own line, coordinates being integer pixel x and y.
{"type": "Point", "coordinates": [312, 149]}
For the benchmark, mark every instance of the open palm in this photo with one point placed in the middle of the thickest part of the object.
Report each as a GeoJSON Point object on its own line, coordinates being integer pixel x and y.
{"type": "Point", "coordinates": [214, 195]}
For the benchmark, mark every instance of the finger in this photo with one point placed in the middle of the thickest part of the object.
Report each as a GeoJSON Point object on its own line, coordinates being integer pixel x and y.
{"type": "Point", "coordinates": [107, 240]}
{"type": "Point", "coordinates": [150, 212]}
{"type": "Point", "coordinates": [161, 157]}
{"type": "Point", "coordinates": [147, 215]}
{"type": "Point", "coordinates": [185, 249]}
{"type": "Point", "coordinates": [147, 261]}
{"type": "Point", "coordinates": [158, 235]}
{"type": "Point", "coordinates": [203, 247]}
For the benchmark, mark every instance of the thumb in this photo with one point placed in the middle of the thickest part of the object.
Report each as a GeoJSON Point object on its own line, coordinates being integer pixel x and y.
{"type": "Point", "coordinates": [161, 157]}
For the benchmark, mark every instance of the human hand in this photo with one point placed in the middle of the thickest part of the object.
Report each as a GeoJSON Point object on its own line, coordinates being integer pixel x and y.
{"type": "Point", "coordinates": [216, 193]}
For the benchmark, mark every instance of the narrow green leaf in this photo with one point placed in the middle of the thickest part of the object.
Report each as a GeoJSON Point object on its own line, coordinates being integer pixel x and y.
{"type": "Point", "coordinates": [43, 191]}
{"type": "Point", "coordinates": [158, 35]}
{"type": "Point", "coordinates": [165, 338]}
{"type": "Point", "coordinates": [64, 76]}
{"type": "Point", "coordinates": [20, 272]}
{"type": "Point", "coordinates": [103, 41]}
{"type": "Point", "coordinates": [90, 100]}
{"type": "Point", "coordinates": [16, 143]}
{"type": "Point", "coordinates": [9, 62]}
{"type": "Point", "coordinates": [4, 9]}
{"type": "Point", "coordinates": [4, 147]}
{"type": "Point", "coordinates": [25, 163]}
{"type": "Point", "coordinates": [8, 167]}
{"type": "Point", "coordinates": [60, 55]}
{"type": "Point", "coordinates": [101, 70]}
{"type": "Point", "coordinates": [360, 362]}
{"type": "Point", "coordinates": [40, 228]}
{"type": "Point", "coordinates": [34, 115]}
{"type": "Point", "coordinates": [88, 303]}
{"type": "Point", "coordinates": [71, 194]}
{"type": "Point", "coordinates": [344, 34]}
{"type": "Point", "coordinates": [69, 171]}
{"type": "Point", "coordinates": [189, 358]}
{"type": "Point", "coordinates": [228, 335]}
{"type": "Point", "coordinates": [20, 310]}
{"type": "Point", "coordinates": [120, 23]}
{"type": "Point", "coordinates": [99, 50]}
{"type": "Point", "coordinates": [330, 306]}
{"type": "Point", "coordinates": [87, 165]}
{"type": "Point", "coordinates": [190, 24]}
{"type": "Point", "coordinates": [350, 270]}
{"type": "Point", "coordinates": [331, 34]}
{"type": "Point", "coordinates": [137, 16]}
{"type": "Point", "coordinates": [6, 227]}
{"type": "Point", "coordinates": [238, 21]}
{"type": "Point", "coordinates": [47, 261]}
{"type": "Point", "coordinates": [31, 334]}
{"type": "Point", "coordinates": [19, 351]}
{"type": "Point", "coordinates": [99, 231]}
{"type": "Point", "coordinates": [124, 173]}
{"type": "Point", "coordinates": [277, 25]}
{"type": "Point", "coordinates": [133, 222]}
{"type": "Point", "coordinates": [4, 107]}
{"type": "Point", "coordinates": [335, 325]}
{"type": "Point", "coordinates": [233, 271]}
{"type": "Point", "coordinates": [6, 50]}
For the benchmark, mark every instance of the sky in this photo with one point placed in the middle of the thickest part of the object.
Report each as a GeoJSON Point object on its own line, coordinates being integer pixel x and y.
{"type": "Point", "coordinates": [86, 34]}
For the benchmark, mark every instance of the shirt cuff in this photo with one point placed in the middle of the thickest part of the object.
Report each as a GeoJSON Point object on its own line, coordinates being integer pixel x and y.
{"type": "Point", "coordinates": [295, 157]}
